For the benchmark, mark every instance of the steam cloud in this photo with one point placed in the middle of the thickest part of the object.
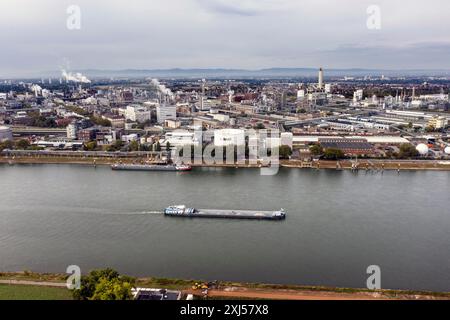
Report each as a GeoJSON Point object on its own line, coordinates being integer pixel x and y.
{"type": "Point", "coordinates": [162, 88]}
{"type": "Point", "coordinates": [75, 77]}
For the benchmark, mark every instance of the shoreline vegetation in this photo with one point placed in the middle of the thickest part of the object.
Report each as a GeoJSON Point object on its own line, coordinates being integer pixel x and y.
{"type": "Point", "coordinates": [362, 164]}
{"type": "Point", "coordinates": [27, 285]}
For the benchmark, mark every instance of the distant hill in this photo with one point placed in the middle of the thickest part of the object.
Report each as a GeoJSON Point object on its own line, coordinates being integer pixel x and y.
{"type": "Point", "coordinates": [271, 72]}
{"type": "Point", "coordinates": [246, 73]}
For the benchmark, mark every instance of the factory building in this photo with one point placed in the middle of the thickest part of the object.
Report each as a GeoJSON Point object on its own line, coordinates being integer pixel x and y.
{"type": "Point", "coordinates": [137, 113]}
{"type": "Point", "coordinates": [347, 146]}
{"type": "Point", "coordinates": [227, 137]}
{"type": "Point", "coordinates": [438, 122]}
{"type": "Point", "coordinates": [166, 112]}
{"type": "Point", "coordinates": [358, 95]}
{"type": "Point", "coordinates": [180, 138]}
{"type": "Point", "coordinates": [382, 140]}
{"type": "Point", "coordinates": [287, 139]}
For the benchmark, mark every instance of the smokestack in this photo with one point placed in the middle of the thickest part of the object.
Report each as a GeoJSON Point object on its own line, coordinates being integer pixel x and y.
{"type": "Point", "coordinates": [320, 78]}
{"type": "Point", "coordinates": [203, 95]}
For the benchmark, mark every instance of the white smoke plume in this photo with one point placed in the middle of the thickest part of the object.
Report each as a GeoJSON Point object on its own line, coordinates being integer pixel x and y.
{"type": "Point", "coordinates": [162, 88]}
{"type": "Point", "coordinates": [74, 77]}
{"type": "Point", "coordinates": [36, 89]}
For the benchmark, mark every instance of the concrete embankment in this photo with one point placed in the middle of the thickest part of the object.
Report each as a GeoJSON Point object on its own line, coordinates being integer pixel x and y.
{"type": "Point", "coordinates": [367, 164]}
{"type": "Point", "coordinates": [364, 164]}
{"type": "Point", "coordinates": [103, 161]}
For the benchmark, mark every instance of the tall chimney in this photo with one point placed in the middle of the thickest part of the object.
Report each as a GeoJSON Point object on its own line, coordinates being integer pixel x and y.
{"type": "Point", "coordinates": [320, 78]}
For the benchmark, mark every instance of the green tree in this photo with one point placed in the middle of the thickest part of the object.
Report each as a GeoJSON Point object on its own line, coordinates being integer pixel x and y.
{"type": "Point", "coordinates": [39, 120]}
{"type": "Point", "coordinates": [333, 154]}
{"type": "Point", "coordinates": [158, 146]}
{"type": "Point", "coordinates": [116, 146]}
{"type": "Point", "coordinates": [114, 289]}
{"type": "Point", "coordinates": [407, 150]}
{"type": "Point", "coordinates": [22, 144]}
{"type": "Point", "coordinates": [100, 121]}
{"type": "Point", "coordinates": [134, 146]}
{"type": "Point", "coordinates": [285, 152]}
{"type": "Point", "coordinates": [90, 146]}
{"type": "Point", "coordinates": [106, 284]}
{"type": "Point", "coordinates": [8, 144]}
{"type": "Point", "coordinates": [316, 150]}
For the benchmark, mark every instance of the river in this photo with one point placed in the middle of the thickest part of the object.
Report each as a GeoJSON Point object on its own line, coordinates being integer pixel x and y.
{"type": "Point", "coordinates": [338, 223]}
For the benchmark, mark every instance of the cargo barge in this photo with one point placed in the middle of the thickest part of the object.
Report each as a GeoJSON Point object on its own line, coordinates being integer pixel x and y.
{"type": "Point", "coordinates": [151, 167]}
{"type": "Point", "coordinates": [183, 211]}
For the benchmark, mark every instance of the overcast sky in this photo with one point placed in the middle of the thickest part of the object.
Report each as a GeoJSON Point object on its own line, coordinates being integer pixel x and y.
{"type": "Point", "coordinates": [252, 34]}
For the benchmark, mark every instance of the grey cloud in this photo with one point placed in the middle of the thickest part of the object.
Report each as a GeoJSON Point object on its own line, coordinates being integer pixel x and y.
{"type": "Point", "coordinates": [222, 7]}
{"type": "Point", "coordinates": [221, 33]}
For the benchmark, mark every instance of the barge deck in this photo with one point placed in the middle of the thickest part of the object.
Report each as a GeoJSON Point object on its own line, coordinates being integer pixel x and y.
{"type": "Point", "coordinates": [182, 211]}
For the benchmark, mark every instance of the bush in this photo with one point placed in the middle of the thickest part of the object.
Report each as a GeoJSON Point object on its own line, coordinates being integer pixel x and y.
{"type": "Point", "coordinates": [22, 144]}
{"type": "Point", "coordinates": [8, 144]}
{"type": "Point", "coordinates": [105, 284]}
{"type": "Point", "coordinates": [90, 146]}
{"type": "Point", "coordinates": [333, 154]}
{"type": "Point", "coordinates": [285, 152]}
{"type": "Point", "coordinates": [407, 151]}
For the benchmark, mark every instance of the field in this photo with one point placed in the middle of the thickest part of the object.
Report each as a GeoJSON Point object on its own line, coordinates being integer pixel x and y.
{"type": "Point", "coordinates": [25, 292]}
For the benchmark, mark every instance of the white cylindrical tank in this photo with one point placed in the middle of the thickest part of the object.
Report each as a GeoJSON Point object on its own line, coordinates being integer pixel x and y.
{"type": "Point", "coordinates": [422, 149]}
{"type": "Point", "coordinates": [447, 150]}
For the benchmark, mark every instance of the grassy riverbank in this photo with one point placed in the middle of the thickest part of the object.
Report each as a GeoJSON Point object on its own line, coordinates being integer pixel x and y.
{"type": "Point", "coordinates": [33, 292]}
{"type": "Point", "coordinates": [46, 288]}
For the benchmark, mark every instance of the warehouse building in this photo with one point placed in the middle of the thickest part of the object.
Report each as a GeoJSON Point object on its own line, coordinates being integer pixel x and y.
{"type": "Point", "coordinates": [348, 146]}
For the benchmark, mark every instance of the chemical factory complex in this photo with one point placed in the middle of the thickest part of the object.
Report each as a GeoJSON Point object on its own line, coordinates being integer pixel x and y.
{"type": "Point", "coordinates": [306, 118]}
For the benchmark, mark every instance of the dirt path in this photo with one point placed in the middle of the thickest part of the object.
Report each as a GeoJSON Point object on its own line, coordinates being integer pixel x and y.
{"type": "Point", "coordinates": [274, 294]}
{"type": "Point", "coordinates": [289, 295]}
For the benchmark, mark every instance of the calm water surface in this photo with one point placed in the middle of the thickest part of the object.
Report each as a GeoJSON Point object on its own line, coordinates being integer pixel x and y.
{"type": "Point", "coordinates": [338, 223]}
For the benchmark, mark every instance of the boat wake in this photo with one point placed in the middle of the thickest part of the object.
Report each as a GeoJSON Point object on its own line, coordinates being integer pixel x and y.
{"type": "Point", "coordinates": [151, 212]}
{"type": "Point", "coordinates": [135, 213]}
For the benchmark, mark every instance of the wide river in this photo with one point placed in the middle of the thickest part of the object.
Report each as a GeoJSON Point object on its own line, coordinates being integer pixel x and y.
{"type": "Point", "coordinates": [338, 224]}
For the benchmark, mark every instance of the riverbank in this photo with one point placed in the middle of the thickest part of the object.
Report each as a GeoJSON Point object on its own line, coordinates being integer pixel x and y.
{"type": "Point", "coordinates": [363, 164]}
{"type": "Point", "coordinates": [19, 283]}
{"type": "Point", "coordinates": [371, 164]}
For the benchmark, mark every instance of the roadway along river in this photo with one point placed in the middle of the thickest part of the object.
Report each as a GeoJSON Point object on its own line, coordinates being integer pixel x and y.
{"type": "Point", "coordinates": [338, 224]}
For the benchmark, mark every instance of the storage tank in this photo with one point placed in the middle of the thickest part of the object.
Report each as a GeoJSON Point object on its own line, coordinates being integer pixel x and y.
{"type": "Point", "coordinates": [447, 150]}
{"type": "Point", "coordinates": [422, 149]}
